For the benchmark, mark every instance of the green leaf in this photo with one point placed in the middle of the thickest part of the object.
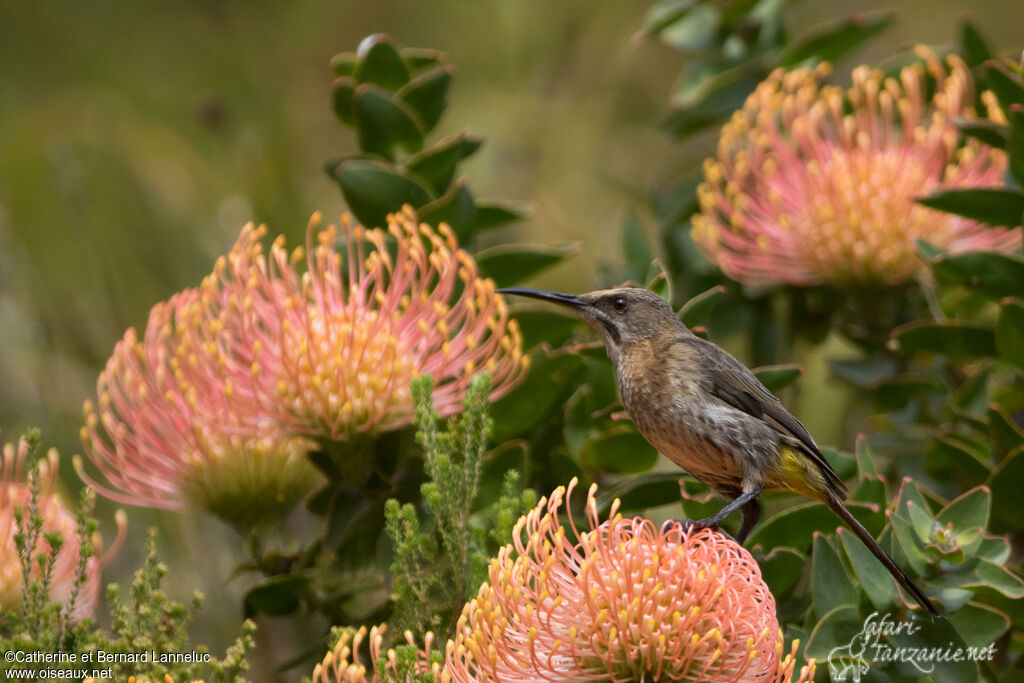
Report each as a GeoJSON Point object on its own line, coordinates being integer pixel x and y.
{"type": "Point", "coordinates": [992, 273]}
{"type": "Point", "coordinates": [909, 494]}
{"type": "Point", "coordinates": [545, 326]}
{"type": "Point", "coordinates": [865, 459]}
{"type": "Point", "coordinates": [991, 133]}
{"type": "Point", "coordinates": [436, 164]}
{"type": "Point", "coordinates": [698, 501]}
{"type": "Point", "coordinates": [937, 635]}
{"type": "Point", "coordinates": [384, 124]}
{"type": "Point", "coordinates": [380, 63]}
{"type": "Point", "coordinates": [896, 392]}
{"type": "Point", "coordinates": [277, 596]}
{"type": "Point", "coordinates": [1008, 88]}
{"type": "Point", "coordinates": [974, 46]}
{"type": "Point", "coordinates": [995, 549]}
{"type": "Point", "coordinates": [864, 372]}
{"type": "Point", "coordinates": [693, 29]}
{"type": "Point", "coordinates": [344, 63]}
{"type": "Point", "coordinates": [949, 457]}
{"type": "Point", "coordinates": [927, 250]}
{"type": "Point", "coordinates": [1016, 143]}
{"type": "Point", "coordinates": [641, 492]}
{"type": "Point", "coordinates": [777, 377]}
{"type": "Point", "coordinates": [1005, 434]}
{"type": "Point", "coordinates": [659, 280]}
{"type": "Point", "coordinates": [794, 527]}
{"type": "Point", "coordinates": [620, 450]}
{"type": "Point", "coordinates": [695, 311]}
{"type": "Point", "coordinates": [351, 512]}
{"type": "Point", "coordinates": [662, 14]}
{"type": "Point", "coordinates": [1010, 332]}
{"type": "Point", "coordinates": [969, 510]}
{"type": "Point", "coordinates": [871, 489]}
{"type": "Point", "coordinates": [427, 95]}
{"type": "Point", "coordinates": [578, 426]}
{"type": "Point", "coordinates": [635, 250]}
{"type": "Point", "coordinates": [420, 58]}
{"type": "Point", "coordinates": [508, 264]}
{"type": "Point", "coordinates": [831, 585]}
{"type": "Point", "coordinates": [728, 93]}
{"type": "Point", "coordinates": [829, 41]}
{"type": "Point", "coordinates": [456, 208]}
{"type": "Point", "coordinates": [1006, 483]}
{"type": "Point", "coordinates": [835, 629]}
{"type": "Point", "coordinates": [874, 577]}
{"type": "Point", "coordinates": [910, 544]}
{"type": "Point", "coordinates": [493, 214]}
{"type": "Point", "coordinates": [1000, 579]}
{"type": "Point", "coordinates": [993, 206]}
{"type": "Point", "coordinates": [979, 625]}
{"type": "Point", "coordinates": [372, 190]}
{"type": "Point", "coordinates": [343, 93]}
{"type": "Point", "coordinates": [949, 338]}
{"type": "Point", "coordinates": [922, 521]}
{"type": "Point", "coordinates": [781, 569]}
{"type": "Point", "coordinates": [548, 384]}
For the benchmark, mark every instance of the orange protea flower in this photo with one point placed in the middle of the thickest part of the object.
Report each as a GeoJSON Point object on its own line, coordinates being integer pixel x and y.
{"type": "Point", "coordinates": [331, 351]}
{"type": "Point", "coordinates": [621, 601]}
{"type": "Point", "coordinates": [15, 492]}
{"type": "Point", "coordinates": [210, 407]}
{"type": "Point", "coordinates": [812, 184]}
{"type": "Point", "coordinates": [170, 432]}
{"type": "Point", "coordinates": [342, 664]}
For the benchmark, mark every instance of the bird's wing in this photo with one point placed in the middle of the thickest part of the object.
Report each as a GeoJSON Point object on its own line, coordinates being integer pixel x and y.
{"type": "Point", "coordinates": [732, 382]}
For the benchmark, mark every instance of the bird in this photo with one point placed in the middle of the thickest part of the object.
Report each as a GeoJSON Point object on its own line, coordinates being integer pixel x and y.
{"type": "Point", "coordinates": [709, 414]}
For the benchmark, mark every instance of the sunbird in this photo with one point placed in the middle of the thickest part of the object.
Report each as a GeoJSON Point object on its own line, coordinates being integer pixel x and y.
{"type": "Point", "coordinates": [707, 412]}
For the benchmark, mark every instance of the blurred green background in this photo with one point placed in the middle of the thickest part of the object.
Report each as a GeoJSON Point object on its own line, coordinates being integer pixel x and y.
{"type": "Point", "coordinates": [137, 138]}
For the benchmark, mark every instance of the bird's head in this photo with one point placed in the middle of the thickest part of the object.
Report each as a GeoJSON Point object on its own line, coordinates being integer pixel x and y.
{"type": "Point", "coordinates": [623, 316]}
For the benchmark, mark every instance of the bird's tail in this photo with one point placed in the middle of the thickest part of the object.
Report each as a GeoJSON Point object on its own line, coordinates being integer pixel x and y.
{"type": "Point", "coordinates": [867, 539]}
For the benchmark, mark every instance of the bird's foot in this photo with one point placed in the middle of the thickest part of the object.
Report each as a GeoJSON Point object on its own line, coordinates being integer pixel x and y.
{"type": "Point", "coordinates": [690, 525]}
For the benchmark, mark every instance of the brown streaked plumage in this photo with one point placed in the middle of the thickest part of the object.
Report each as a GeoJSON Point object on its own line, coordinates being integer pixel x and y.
{"type": "Point", "coordinates": [709, 414]}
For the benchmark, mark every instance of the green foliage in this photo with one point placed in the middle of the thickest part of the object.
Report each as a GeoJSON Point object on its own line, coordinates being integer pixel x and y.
{"type": "Point", "coordinates": [733, 46]}
{"type": "Point", "coordinates": [827, 583]}
{"type": "Point", "coordinates": [405, 665]}
{"type": "Point", "coordinates": [439, 561]}
{"type": "Point", "coordinates": [394, 97]}
{"type": "Point", "coordinates": [146, 621]}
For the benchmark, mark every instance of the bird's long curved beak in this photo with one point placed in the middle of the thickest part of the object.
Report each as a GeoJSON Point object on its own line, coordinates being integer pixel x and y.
{"type": "Point", "coordinates": [545, 295]}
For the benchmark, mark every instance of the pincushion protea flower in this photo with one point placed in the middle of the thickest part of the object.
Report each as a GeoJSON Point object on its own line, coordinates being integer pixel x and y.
{"type": "Point", "coordinates": [331, 351]}
{"type": "Point", "coordinates": [170, 432]}
{"type": "Point", "coordinates": [342, 664]}
{"type": "Point", "coordinates": [15, 492]}
{"type": "Point", "coordinates": [211, 405]}
{"type": "Point", "coordinates": [811, 184]}
{"type": "Point", "coordinates": [621, 601]}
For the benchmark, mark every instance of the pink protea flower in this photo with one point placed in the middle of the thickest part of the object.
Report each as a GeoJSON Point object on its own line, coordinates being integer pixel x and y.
{"type": "Point", "coordinates": [812, 184]}
{"type": "Point", "coordinates": [331, 351]}
{"type": "Point", "coordinates": [342, 664]}
{"type": "Point", "coordinates": [621, 601]}
{"type": "Point", "coordinates": [170, 432]}
{"type": "Point", "coordinates": [211, 406]}
{"type": "Point", "coordinates": [15, 492]}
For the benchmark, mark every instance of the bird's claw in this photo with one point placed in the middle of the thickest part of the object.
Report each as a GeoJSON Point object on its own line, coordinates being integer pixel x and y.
{"type": "Point", "coordinates": [689, 525]}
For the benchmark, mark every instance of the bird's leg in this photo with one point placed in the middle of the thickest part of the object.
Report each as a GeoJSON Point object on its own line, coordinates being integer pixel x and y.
{"type": "Point", "coordinates": [751, 513]}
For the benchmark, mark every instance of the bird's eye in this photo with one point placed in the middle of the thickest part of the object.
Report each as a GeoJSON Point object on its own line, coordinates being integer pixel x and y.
{"type": "Point", "coordinates": [619, 303]}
